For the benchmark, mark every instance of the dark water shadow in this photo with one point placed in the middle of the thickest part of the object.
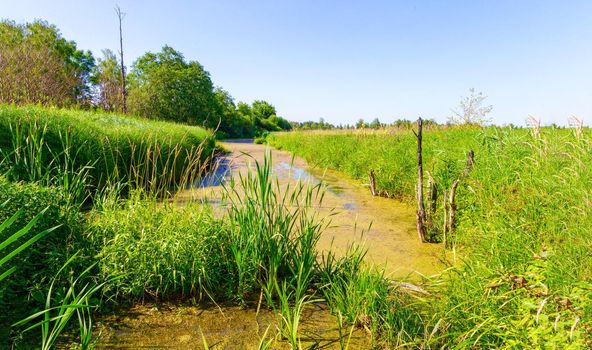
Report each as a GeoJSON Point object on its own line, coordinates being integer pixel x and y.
{"type": "Point", "coordinates": [238, 141]}
{"type": "Point", "coordinates": [220, 173]}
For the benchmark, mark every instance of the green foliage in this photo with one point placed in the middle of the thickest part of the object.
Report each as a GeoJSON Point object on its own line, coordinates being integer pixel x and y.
{"type": "Point", "coordinates": [311, 125]}
{"type": "Point", "coordinates": [363, 297]}
{"type": "Point", "coordinates": [375, 124]}
{"type": "Point", "coordinates": [36, 265]}
{"type": "Point", "coordinates": [232, 123]}
{"type": "Point", "coordinates": [165, 250]}
{"type": "Point", "coordinates": [106, 76]}
{"type": "Point", "coordinates": [39, 262]}
{"type": "Point", "coordinates": [522, 222]}
{"type": "Point", "coordinates": [263, 116]}
{"type": "Point", "coordinates": [38, 65]}
{"type": "Point", "coordinates": [164, 86]}
{"type": "Point", "coordinates": [160, 251]}
{"type": "Point", "coordinates": [7, 256]}
{"type": "Point", "coordinates": [61, 306]}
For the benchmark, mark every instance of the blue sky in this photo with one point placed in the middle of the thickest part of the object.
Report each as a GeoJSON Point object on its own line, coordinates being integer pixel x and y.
{"type": "Point", "coordinates": [345, 60]}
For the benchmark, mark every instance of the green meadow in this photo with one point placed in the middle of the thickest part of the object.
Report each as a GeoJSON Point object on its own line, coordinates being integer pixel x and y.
{"type": "Point", "coordinates": [520, 261]}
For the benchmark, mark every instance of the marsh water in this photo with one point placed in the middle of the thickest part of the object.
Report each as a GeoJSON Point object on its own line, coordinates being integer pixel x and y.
{"type": "Point", "coordinates": [385, 227]}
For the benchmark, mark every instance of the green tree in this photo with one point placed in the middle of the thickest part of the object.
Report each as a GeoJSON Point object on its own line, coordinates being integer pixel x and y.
{"type": "Point", "coordinates": [164, 86]}
{"type": "Point", "coordinates": [360, 124]}
{"type": "Point", "coordinates": [37, 65]}
{"type": "Point", "coordinates": [375, 124]}
{"type": "Point", "coordinates": [232, 122]}
{"type": "Point", "coordinates": [245, 110]}
{"type": "Point", "coordinates": [262, 109]}
{"type": "Point", "coordinates": [107, 79]}
{"type": "Point", "coordinates": [263, 116]}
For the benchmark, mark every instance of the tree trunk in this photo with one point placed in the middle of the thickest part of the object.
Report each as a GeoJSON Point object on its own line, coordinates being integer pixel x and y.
{"type": "Point", "coordinates": [120, 16]}
{"type": "Point", "coordinates": [421, 214]}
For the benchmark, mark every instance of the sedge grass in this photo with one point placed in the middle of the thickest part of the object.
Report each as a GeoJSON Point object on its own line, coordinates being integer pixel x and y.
{"type": "Point", "coordinates": [522, 277]}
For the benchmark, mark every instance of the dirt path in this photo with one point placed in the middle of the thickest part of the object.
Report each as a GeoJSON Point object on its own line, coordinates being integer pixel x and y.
{"type": "Point", "coordinates": [386, 227]}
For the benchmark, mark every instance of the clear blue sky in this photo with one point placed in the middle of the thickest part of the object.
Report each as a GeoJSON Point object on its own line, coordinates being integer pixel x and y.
{"type": "Point", "coordinates": [344, 60]}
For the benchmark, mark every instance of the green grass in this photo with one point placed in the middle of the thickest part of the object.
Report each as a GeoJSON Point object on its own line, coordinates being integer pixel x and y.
{"type": "Point", "coordinates": [523, 277]}
{"type": "Point", "coordinates": [164, 250]}
{"type": "Point", "coordinates": [37, 142]}
{"type": "Point", "coordinates": [51, 161]}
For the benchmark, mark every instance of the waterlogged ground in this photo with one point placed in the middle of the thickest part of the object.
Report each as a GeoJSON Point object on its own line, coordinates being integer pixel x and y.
{"type": "Point", "coordinates": [168, 326]}
{"type": "Point", "coordinates": [384, 226]}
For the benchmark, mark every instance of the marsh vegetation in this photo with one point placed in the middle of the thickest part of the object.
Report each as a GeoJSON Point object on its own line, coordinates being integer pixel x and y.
{"type": "Point", "coordinates": [106, 235]}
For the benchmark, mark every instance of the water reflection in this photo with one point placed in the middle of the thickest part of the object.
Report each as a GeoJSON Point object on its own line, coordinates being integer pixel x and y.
{"type": "Point", "coordinates": [221, 171]}
{"type": "Point", "coordinates": [288, 171]}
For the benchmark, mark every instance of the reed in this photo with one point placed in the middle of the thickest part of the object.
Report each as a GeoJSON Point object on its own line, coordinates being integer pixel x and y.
{"type": "Point", "coordinates": [520, 246]}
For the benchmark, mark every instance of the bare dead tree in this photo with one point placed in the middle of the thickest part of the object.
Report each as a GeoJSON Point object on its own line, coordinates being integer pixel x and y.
{"type": "Point", "coordinates": [421, 213]}
{"type": "Point", "coordinates": [471, 110]}
{"type": "Point", "coordinates": [445, 221]}
{"type": "Point", "coordinates": [120, 16]}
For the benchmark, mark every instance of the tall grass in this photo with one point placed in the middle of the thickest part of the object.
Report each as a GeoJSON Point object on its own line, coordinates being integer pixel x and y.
{"type": "Point", "coordinates": [9, 246]}
{"type": "Point", "coordinates": [275, 229]}
{"type": "Point", "coordinates": [524, 268]}
{"type": "Point", "coordinates": [268, 235]}
{"type": "Point", "coordinates": [262, 252]}
{"type": "Point", "coordinates": [73, 301]}
{"type": "Point", "coordinates": [58, 158]}
{"type": "Point", "coordinates": [33, 139]}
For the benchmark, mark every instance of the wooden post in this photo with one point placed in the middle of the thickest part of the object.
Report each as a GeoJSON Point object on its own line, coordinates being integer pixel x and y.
{"type": "Point", "coordinates": [372, 183]}
{"type": "Point", "coordinates": [432, 195]}
{"type": "Point", "coordinates": [445, 226]}
{"type": "Point", "coordinates": [470, 163]}
{"type": "Point", "coordinates": [421, 214]}
{"type": "Point", "coordinates": [452, 206]}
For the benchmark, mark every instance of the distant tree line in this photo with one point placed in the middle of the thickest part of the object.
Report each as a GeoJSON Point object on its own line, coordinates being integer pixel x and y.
{"type": "Point", "coordinates": [360, 124]}
{"type": "Point", "coordinates": [39, 66]}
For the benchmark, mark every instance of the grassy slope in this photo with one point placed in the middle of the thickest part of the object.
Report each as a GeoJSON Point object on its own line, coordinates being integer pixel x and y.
{"type": "Point", "coordinates": [525, 198]}
{"type": "Point", "coordinates": [111, 140]}
{"type": "Point", "coordinates": [53, 145]}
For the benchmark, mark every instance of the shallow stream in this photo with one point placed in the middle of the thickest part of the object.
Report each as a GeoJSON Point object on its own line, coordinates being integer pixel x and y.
{"type": "Point", "coordinates": [386, 227]}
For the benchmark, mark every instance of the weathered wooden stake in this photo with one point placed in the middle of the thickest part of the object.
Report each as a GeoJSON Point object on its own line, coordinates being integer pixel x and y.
{"type": "Point", "coordinates": [452, 206]}
{"type": "Point", "coordinates": [372, 183]}
{"type": "Point", "coordinates": [445, 226]}
{"type": "Point", "coordinates": [421, 214]}
{"type": "Point", "coordinates": [432, 195]}
{"type": "Point", "coordinates": [470, 163]}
